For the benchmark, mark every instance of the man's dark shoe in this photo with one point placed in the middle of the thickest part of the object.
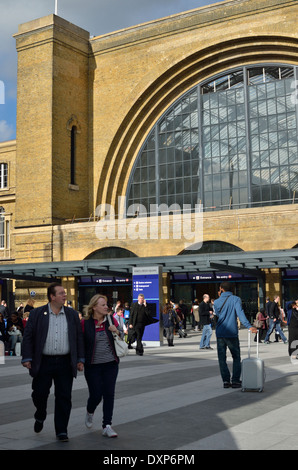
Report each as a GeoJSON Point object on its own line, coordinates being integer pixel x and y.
{"type": "Point", "coordinates": [62, 437]}
{"type": "Point", "coordinates": [38, 426]}
{"type": "Point", "coordinates": [236, 385]}
{"type": "Point", "coordinates": [226, 385]}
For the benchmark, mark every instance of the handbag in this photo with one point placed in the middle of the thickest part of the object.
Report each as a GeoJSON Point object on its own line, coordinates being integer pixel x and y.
{"type": "Point", "coordinates": [121, 346]}
{"type": "Point", "coordinates": [258, 323]}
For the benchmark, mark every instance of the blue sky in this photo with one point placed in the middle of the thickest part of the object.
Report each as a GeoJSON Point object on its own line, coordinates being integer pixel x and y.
{"type": "Point", "coordinates": [96, 16]}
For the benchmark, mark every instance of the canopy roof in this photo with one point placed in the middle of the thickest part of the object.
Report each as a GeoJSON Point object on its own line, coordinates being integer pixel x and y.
{"type": "Point", "coordinates": [250, 263]}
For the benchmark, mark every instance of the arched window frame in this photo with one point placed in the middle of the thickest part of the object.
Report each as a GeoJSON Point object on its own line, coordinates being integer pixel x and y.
{"type": "Point", "coordinates": [74, 129]}
{"type": "Point", "coordinates": [3, 175]}
{"type": "Point", "coordinates": [73, 134]}
{"type": "Point", "coordinates": [149, 183]}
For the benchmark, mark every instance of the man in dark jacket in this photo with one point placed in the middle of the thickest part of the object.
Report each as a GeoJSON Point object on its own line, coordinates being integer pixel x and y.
{"type": "Point", "coordinates": [53, 350]}
{"type": "Point", "coordinates": [274, 322]}
{"type": "Point", "coordinates": [138, 319]}
{"type": "Point", "coordinates": [206, 315]}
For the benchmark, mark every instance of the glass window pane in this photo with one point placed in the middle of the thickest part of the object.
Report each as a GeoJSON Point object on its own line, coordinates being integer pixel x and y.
{"type": "Point", "coordinates": [163, 172]}
{"type": "Point", "coordinates": [179, 186]}
{"type": "Point", "coordinates": [263, 146]}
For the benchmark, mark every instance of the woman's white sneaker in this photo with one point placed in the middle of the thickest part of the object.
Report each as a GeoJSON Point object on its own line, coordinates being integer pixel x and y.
{"type": "Point", "coordinates": [108, 431]}
{"type": "Point", "coordinates": [89, 420]}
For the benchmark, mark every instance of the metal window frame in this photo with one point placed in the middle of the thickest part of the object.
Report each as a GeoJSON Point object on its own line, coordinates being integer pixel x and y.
{"type": "Point", "coordinates": [248, 142]}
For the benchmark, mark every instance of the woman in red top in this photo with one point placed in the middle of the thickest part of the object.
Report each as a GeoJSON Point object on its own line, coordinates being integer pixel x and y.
{"type": "Point", "coordinates": [262, 318]}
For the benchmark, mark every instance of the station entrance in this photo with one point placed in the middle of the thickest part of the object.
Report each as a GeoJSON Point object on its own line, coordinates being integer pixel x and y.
{"type": "Point", "coordinates": [188, 287]}
{"type": "Point", "coordinates": [114, 288]}
{"type": "Point", "coordinates": [290, 284]}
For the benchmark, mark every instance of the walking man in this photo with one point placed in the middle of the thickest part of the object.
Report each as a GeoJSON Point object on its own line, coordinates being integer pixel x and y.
{"type": "Point", "coordinates": [139, 318]}
{"type": "Point", "coordinates": [227, 308]}
{"type": "Point", "coordinates": [274, 322]}
{"type": "Point", "coordinates": [206, 315]}
{"type": "Point", "coordinates": [53, 350]}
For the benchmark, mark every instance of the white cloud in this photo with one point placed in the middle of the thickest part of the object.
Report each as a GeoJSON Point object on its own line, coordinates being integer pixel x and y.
{"type": "Point", "coordinates": [96, 16]}
{"type": "Point", "coordinates": [6, 131]}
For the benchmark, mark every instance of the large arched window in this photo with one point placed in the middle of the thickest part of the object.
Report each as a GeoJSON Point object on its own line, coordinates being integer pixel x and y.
{"type": "Point", "coordinates": [228, 143]}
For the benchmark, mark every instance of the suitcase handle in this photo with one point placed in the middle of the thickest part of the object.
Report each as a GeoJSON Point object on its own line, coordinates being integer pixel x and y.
{"type": "Point", "coordinates": [249, 334]}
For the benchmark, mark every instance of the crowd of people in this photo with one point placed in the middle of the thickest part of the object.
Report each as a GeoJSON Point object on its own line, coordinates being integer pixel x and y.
{"type": "Point", "coordinates": [12, 326]}
{"type": "Point", "coordinates": [176, 317]}
{"type": "Point", "coordinates": [56, 343]}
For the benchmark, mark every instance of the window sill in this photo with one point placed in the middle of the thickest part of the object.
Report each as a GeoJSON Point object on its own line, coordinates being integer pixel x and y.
{"type": "Point", "coordinates": [73, 187]}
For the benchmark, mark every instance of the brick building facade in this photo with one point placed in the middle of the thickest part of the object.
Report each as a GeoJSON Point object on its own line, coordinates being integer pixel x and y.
{"type": "Point", "coordinates": [85, 109]}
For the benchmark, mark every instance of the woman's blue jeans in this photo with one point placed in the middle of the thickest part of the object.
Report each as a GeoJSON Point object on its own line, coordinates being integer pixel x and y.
{"type": "Point", "coordinates": [234, 347]}
{"type": "Point", "coordinates": [101, 380]}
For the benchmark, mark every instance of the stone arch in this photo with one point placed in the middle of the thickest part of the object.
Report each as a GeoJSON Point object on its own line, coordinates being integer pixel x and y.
{"type": "Point", "coordinates": [169, 87]}
{"type": "Point", "coordinates": [111, 252]}
{"type": "Point", "coordinates": [212, 246]}
{"type": "Point", "coordinates": [73, 122]}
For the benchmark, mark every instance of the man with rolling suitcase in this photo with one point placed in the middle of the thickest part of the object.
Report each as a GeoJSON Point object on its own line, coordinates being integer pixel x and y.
{"type": "Point", "coordinates": [227, 308]}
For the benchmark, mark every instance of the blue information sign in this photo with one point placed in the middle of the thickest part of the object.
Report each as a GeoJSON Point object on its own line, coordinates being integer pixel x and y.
{"type": "Point", "coordinates": [148, 281]}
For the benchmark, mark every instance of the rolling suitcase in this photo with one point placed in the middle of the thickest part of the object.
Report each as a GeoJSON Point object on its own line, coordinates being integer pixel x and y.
{"type": "Point", "coordinates": [253, 370]}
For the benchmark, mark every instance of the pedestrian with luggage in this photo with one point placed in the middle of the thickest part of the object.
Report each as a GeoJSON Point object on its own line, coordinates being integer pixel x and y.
{"type": "Point", "coordinates": [227, 308]}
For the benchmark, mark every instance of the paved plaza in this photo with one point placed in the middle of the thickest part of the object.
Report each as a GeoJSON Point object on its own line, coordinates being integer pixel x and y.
{"type": "Point", "coordinates": [169, 399]}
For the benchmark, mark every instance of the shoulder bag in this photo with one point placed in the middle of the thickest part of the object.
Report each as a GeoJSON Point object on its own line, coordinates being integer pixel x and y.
{"type": "Point", "coordinates": [120, 345]}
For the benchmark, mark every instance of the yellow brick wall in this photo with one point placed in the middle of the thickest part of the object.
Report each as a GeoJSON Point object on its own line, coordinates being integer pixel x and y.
{"type": "Point", "coordinates": [70, 107]}
{"type": "Point", "coordinates": [249, 229]}
{"type": "Point", "coordinates": [115, 87]}
{"type": "Point", "coordinates": [34, 130]}
{"type": "Point", "coordinates": [53, 81]}
{"type": "Point", "coordinates": [8, 196]}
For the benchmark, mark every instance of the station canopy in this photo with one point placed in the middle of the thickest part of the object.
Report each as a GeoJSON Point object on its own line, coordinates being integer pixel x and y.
{"type": "Point", "coordinates": [251, 263]}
